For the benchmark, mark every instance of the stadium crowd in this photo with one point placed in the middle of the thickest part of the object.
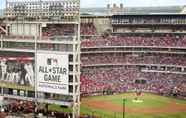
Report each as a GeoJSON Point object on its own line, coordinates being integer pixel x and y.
{"type": "Point", "coordinates": [26, 108]}
{"type": "Point", "coordinates": [122, 79]}
{"type": "Point", "coordinates": [98, 79]}
{"type": "Point", "coordinates": [120, 58]}
{"type": "Point", "coordinates": [166, 41]}
{"type": "Point", "coordinates": [88, 29]}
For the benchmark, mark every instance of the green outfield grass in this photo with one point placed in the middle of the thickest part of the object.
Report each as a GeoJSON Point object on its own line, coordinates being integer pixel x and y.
{"type": "Point", "coordinates": [150, 100]}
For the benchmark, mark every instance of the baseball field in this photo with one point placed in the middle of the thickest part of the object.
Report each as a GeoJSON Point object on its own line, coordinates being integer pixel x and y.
{"type": "Point", "coordinates": [151, 106]}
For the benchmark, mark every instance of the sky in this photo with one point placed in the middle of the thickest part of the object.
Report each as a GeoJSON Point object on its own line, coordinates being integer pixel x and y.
{"type": "Point", "coordinates": [134, 3]}
{"type": "Point", "coordinates": [127, 3]}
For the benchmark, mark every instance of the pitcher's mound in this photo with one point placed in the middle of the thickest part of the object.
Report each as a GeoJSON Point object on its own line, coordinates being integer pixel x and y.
{"type": "Point", "coordinates": [137, 101]}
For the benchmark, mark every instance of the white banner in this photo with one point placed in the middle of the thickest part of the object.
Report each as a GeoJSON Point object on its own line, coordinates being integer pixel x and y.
{"type": "Point", "coordinates": [52, 73]}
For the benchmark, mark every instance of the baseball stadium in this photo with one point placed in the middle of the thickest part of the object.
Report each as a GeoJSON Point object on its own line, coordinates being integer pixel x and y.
{"type": "Point", "coordinates": [63, 61]}
{"type": "Point", "coordinates": [130, 65]}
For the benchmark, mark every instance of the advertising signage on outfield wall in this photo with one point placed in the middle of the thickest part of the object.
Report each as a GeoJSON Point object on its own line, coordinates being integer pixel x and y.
{"type": "Point", "coordinates": [52, 73]}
